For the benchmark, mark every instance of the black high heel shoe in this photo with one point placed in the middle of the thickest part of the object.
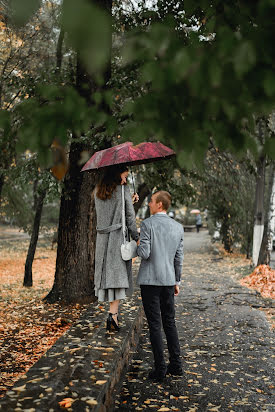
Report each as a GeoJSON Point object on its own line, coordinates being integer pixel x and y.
{"type": "Point", "coordinates": [111, 323]}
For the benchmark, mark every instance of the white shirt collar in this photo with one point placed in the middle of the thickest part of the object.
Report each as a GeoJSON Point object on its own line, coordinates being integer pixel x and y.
{"type": "Point", "coordinates": [160, 213]}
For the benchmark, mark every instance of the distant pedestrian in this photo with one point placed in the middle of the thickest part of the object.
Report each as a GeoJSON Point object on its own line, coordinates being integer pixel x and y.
{"type": "Point", "coordinates": [198, 222]}
{"type": "Point", "coordinates": [161, 252]}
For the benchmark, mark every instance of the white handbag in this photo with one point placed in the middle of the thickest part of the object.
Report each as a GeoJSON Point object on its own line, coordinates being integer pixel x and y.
{"type": "Point", "coordinates": [128, 249]}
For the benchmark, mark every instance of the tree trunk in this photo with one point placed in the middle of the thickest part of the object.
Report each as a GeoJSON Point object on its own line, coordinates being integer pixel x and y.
{"type": "Point", "coordinates": [76, 239]}
{"type": "Point", "coordinates": [34, 238]}
{"type": "Point", "coordinates": [143, 191]}
{"type": "Point", "coordinates": [74, 275]}
{"type": "Point", "coordinates": [264, 254]}
{"type": "Point", "coordinates": [1, 185]}
{"type": "Point", "coordinates": [225, 235]}
{"type": "Point", "coordinates": [59, 54]}
{"type": "Point", "coordinates": [259, 210]}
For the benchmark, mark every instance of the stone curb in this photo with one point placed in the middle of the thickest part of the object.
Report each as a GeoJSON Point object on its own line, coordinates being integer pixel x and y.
{"type": "Point", "coordinates": [84, 364]}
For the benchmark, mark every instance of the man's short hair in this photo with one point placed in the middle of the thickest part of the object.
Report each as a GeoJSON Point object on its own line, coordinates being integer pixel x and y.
{"type": "Point", "coordinates": [163, 197]}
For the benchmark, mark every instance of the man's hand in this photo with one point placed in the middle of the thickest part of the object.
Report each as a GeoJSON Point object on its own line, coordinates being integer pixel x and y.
{"type": "Point", "coordinates": [138, 242]}
{"type": "Point", "coordinates": [177, 290]}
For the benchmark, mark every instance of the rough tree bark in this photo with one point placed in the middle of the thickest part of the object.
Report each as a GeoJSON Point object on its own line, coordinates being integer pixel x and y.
{"type": "Point", "coordinates": [59, 54]}
{"type": "Point", "coordinates": [1, 185]}
{"type": "Point", "coordinates": [143, 191]}
{"type": "Point", "coordinates": [74, 275]}
{"type": "Point", "coordinates": [225, 235]}
{"type": "Point", "coordinates": [264, 254]}
{"type": "Point", "coordinates": [34, 237]}
{"type": "Point", "coordinates": [39, 199]}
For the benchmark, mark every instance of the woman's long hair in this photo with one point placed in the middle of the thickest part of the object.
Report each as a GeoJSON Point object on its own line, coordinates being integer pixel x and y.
{"type": "Point", "coordinates": [110, 181]}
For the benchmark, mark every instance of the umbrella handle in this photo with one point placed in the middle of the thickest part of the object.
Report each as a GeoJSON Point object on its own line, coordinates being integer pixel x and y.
{"type": "Point", "coordinates": [133, 181]}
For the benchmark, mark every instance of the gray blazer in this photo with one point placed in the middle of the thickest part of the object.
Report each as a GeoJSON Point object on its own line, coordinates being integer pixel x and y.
{"type": "Point", "coordinates": [161, 251]}
{"type": "Point", "coordinates": [110, 270]}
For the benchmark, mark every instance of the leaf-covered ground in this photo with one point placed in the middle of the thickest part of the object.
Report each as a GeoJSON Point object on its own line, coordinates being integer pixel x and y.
{"type": "Point", "coordinates": [28, 326]}
{"type": "Point", "coordinates": [262, 279]}
{"type": "Point", "coordinates": [227, 345]}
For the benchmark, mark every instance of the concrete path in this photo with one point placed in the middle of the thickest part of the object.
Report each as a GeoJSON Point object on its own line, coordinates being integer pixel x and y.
{"type": "Point", "coordinates": [227, 344]}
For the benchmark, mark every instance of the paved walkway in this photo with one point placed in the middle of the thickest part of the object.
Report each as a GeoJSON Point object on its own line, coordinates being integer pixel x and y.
{"type": "Point", "coordinates": [226, 341]}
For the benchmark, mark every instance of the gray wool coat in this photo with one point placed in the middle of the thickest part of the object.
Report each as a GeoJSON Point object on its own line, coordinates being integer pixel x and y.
{"type": "Point", "coordinates": [110, 270]}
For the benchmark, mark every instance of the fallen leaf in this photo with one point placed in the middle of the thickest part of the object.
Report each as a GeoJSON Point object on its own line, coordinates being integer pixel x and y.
{"type": "Point", "coordinates": [66, 403]}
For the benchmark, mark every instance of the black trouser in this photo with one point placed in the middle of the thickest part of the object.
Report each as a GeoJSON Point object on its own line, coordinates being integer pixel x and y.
{"type": "Point", "coordinates": [158, 303]}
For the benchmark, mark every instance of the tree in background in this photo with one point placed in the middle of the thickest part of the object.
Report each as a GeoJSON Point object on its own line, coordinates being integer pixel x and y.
{"type": "Point", "coordinates": [26, 190]}
{"type": "Point", "coordinates": [227, 191]}
{"type": "Point", "coordinates": [203, 80]}
{"type": "Point", "coordinates": [76, 230]}
{"type": "Point", "coordinates": [202, 72]}
{"type": "Point", "coordinates": [166, 175]}
{"type": "Point", "coordinates": [27, 58]}
{"type": "Point", "coordinates": [264, 182]}
{"type": "Point", "coordinates": [198, 73]}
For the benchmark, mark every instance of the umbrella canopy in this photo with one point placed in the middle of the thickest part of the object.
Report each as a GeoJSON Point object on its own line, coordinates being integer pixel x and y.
{"type": "Point", "coordinates": [195, 211]}
{"type": "Point", "coordinates": [127, 153]}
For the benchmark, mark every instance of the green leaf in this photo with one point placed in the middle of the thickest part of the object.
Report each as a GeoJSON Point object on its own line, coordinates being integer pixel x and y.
{"type": "Point", "coordinates": [269, 147]}
{"type": "Point", "coordinates": [4, 120]}
{"type": "Point", "coordinates": [111, 125]}
{"type": "Point", "coordinates": [244, 58]}
{"type": "Point", "coordinates": [190, 6]}
{"type": "Point", "coordinates": [22, 10]}
{"type": "Point", "coordinates": [182, 63]}
{"type": "Point", "coordinates": [211, 23]}
{"type": "Point", "coordinates": [89, 31]}
{"type": "Point", "coordinates": [229, 109]}
{"type": "Point", "coordinates": [97, 96]}
{"type": "Point", "coordinates": [269, 83]}
{"type": "Point", "coordinates": [215, 73]}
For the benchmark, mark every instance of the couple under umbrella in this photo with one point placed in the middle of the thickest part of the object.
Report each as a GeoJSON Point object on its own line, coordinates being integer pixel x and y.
{"type": "Point", "coordinates": [113, 275]}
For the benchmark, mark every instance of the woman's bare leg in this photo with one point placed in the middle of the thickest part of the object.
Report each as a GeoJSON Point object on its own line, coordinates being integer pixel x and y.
{"type": "Point", "coordinates": [114, 308]}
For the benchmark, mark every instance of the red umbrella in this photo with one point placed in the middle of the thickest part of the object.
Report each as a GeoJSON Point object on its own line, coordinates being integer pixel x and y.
{"type": "Point", "coordinates": [127, 153]}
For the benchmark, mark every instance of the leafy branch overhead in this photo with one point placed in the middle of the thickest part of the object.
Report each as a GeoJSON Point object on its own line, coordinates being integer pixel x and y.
{"type": "Point", "coordinates": [203, 71]}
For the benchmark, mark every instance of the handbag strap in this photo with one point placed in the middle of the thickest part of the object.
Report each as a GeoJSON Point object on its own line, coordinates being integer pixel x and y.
{"type": "Point", "coordinates": [123, 215]}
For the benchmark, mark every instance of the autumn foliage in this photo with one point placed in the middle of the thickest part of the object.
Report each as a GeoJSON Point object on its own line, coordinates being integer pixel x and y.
{"type": "Point", "coordinates": [261, 279]}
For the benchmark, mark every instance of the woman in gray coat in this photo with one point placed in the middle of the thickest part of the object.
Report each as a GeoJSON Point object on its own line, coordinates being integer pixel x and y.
{"type": "Point", "coordinates": [113, 276]}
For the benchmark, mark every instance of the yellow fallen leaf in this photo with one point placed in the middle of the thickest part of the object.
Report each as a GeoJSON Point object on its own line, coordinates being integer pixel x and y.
{"type": "Point", "coordinates": [74, 350]}
{"type": "Point", "coordinates": [20, 388]}
{"type": "Point", "coordinates": [91, 402]}
{"type": "Point", "coordinates": [100, 382]}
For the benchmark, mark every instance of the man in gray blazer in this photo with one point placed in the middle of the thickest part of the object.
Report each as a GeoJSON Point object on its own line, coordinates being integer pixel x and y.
{"type": "Point", "coordinates": [161, 252]}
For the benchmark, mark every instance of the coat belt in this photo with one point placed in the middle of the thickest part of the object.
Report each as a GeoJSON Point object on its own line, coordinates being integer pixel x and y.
{"type": "Point", "coordinates": [109, 229]}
